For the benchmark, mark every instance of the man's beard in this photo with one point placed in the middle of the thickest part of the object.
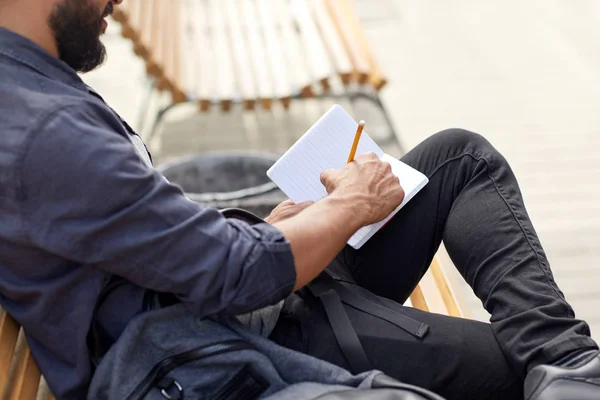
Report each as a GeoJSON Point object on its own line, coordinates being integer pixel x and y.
{"type": "Point", "coordinates": [77, 27]}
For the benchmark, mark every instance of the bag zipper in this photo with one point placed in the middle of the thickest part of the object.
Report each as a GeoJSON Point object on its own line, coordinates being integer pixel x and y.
{"type": "Point", "coordinates": [168, 364]}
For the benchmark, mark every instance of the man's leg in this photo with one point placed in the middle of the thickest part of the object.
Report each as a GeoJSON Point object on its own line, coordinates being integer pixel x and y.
{"type": "Point", "coordinates": [458, 358]}
{"type": "Point", "coordinates": [474, 204]}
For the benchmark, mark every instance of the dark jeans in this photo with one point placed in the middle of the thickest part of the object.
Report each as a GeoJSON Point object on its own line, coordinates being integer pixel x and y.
{"type": "Point", "coordinates": [472, 203]}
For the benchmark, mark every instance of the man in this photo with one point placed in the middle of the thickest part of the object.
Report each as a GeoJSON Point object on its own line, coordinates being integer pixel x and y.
{"type": "Point", "coordinates": [81, 208]}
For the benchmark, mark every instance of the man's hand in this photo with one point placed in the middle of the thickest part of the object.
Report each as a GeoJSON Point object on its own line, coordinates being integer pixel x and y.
{"type": "Point", "coordinates": [368, 184]}
{"type": "Point", "coordinates": [286, 210]}
{"type": "Point", "coordinates": [363, 192]}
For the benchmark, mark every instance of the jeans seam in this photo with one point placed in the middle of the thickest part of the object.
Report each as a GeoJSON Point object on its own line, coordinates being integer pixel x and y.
{"type": "Point", "coordinates": [527, 234]}
{"type": "Point", "coordinates": [554, 351]}
{"type": "Point", "coordinates": [523, 230]}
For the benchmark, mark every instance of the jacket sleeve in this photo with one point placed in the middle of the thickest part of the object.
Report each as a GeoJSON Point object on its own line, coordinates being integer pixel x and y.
{"type": "Point", "coordinates": [89, 198]}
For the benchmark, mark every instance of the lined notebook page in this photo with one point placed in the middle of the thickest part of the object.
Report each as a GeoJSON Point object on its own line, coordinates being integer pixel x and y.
{"type": "Point", "coordinates": [327, 145]}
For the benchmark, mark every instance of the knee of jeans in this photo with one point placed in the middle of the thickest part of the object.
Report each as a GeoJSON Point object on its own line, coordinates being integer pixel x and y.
{"type": "Point", "coordinates": [471, 142]}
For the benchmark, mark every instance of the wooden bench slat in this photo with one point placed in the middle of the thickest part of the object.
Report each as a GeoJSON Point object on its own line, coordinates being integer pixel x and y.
{"type": "Point", "coordinates": [432, 288]}
{"type": "Point", "coordinates": [417, 299]}
{"type": "Point", "coordinates": [186, 78]}
{"type": "Point", "coordinates": [164, 57]}
{"type": "Point", "coordinates": [172, 71]}
{"type": "Point", "coordinates": [150, 26]}
{"type": "Point", "coordinates": [276, 59]}
{"type": "Point", "coordinates": [314, 48]}
{"type": "Point", "coordinates": [202, 51]}
{"type": "Point", "coordinates": [226, 79]}
{"type": "Point", "coordinates": [122, 16]}
{"type": "Point", "coordinates": [297, 64]}
{"type": "Point", "coordinates": [180, 91]}
{"type": "Point", "coordinates": [241, 56]}
{"type": "Point", "coordinates": [347, 31]}
{"type": "Point", "coordinates": [9, 332]}
{"type": "Point", "coordinates": [352, 20]}
{"type": "Point", "coordinates": [442, 286]}
{"type": "Point", "coordinates": [257, 53]}
{"type": "Point", "coordinates": [25, 380]}
{"type": "Point", "coordinates": [162, 14]}
{"type": "Point", "coordinates": [120, 13]}
{"type": "Point", "coordinates": [139, 19]}
{"type": "Point", "coordinates": [333, 41]}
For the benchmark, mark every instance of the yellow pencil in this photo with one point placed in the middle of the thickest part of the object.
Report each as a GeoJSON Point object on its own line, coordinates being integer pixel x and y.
{"type": "Point", "coordinates": [359, 130]}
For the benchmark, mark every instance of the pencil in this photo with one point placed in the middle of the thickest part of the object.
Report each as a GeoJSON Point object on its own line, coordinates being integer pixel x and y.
{"type": "Point", "coordinates": [359, 130]}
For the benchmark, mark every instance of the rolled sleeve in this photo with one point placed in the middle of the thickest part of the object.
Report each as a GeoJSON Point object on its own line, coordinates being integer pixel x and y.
{"type": "Point", "coordinates": [88, 197]}
{"type": "Point", "coordinates": [271, 257]}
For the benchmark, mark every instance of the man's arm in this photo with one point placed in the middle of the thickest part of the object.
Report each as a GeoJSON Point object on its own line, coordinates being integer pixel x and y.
{"type": "Point", "coordinates": [317, 235]}
{"type": "Point", "coordinates": [90, 199]}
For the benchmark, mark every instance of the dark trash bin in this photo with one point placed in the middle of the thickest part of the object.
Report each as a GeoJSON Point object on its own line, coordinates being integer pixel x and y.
{"type": "Point", "coordinates": [226, 179]}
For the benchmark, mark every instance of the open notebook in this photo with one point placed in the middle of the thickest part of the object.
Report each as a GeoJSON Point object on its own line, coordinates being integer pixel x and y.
{"type": "Point", "coordinates": [327, 145]}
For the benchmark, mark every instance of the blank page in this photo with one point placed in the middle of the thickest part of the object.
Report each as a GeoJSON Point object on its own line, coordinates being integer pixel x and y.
{"type": "Point", "coordinates": [327, 145]}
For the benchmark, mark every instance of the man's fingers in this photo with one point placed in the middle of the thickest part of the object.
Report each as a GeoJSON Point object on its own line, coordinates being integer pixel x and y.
{"type": "Point", "coordinates": [387, 167]}
{"type": "Point", "coordinates": [288, 202]}
{"type": "Point", "coordinates": [366, 157]}
{"type": "Point", "coordinates": [295, 209]}
{"type": "Point", "coordinates": [327, 175]}
{"type": "Point", "coordinates": [304, 205]}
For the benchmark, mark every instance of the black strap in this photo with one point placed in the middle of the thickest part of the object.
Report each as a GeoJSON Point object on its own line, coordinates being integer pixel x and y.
{"type": "Point", "coordinates": [410, 325]}
{"type": "Point", "coordinates": [243, 215]}
{"type": "Point", "coordinates": [342, 328]}
{"type": "Point", "coordinates": [332, 294]}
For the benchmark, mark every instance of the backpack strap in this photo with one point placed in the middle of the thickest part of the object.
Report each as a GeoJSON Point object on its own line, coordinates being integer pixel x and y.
{"type": "Point", "coordinates": [410, 325]}
{"type": "Point", "coordinates": [342, 327]}
{"type": "Point", "coordinates": [333, 295]}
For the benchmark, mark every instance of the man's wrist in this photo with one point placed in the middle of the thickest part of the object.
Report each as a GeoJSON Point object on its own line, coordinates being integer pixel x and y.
{"type": "Point", "coordinates": [349, 208]}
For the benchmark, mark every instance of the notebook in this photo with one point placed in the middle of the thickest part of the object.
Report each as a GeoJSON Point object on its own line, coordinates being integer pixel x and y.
{"type": "Point", "coordinates": [327, 145]}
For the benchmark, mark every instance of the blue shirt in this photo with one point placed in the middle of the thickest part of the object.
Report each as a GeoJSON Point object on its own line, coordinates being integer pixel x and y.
{"type": "Point", "coordinates": [78, 206]}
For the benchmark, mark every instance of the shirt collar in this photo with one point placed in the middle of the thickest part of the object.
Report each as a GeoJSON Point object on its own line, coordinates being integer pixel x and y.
{"type": "Point", "coordinates": [26, 52]}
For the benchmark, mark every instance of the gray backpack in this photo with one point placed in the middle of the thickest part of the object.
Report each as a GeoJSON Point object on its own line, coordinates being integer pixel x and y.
{"type": "Point", "coordinates": [170, 354]}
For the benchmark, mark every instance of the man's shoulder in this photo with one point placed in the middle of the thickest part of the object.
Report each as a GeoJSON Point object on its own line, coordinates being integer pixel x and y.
{"type": "Point", "coordinates": [45, 113]}
{"type": "Point", "coordinates": [30, 110]}
{"type": "Point", "coordinates": [23, 104]}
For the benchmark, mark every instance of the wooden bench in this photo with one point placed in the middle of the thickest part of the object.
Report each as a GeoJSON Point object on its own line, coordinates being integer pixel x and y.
{"type": "Point", "coordinates": [20, 377]}
{"type": "Point", "coordinates": [257, 53]}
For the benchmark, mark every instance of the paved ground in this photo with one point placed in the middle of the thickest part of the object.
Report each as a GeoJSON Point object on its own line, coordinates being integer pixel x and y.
{"type": "Point", "coordinates": [524, 74]}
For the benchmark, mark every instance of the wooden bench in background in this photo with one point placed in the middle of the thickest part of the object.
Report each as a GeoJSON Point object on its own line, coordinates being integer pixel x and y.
{"type": "Point", "coordinates": [257, 53]}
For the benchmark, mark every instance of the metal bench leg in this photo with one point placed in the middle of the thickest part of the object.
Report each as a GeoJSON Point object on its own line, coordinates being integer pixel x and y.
{"type": "Point", "coordinates": [143, 110]}
{"type": "Point", "coordinates": [160, 115]}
